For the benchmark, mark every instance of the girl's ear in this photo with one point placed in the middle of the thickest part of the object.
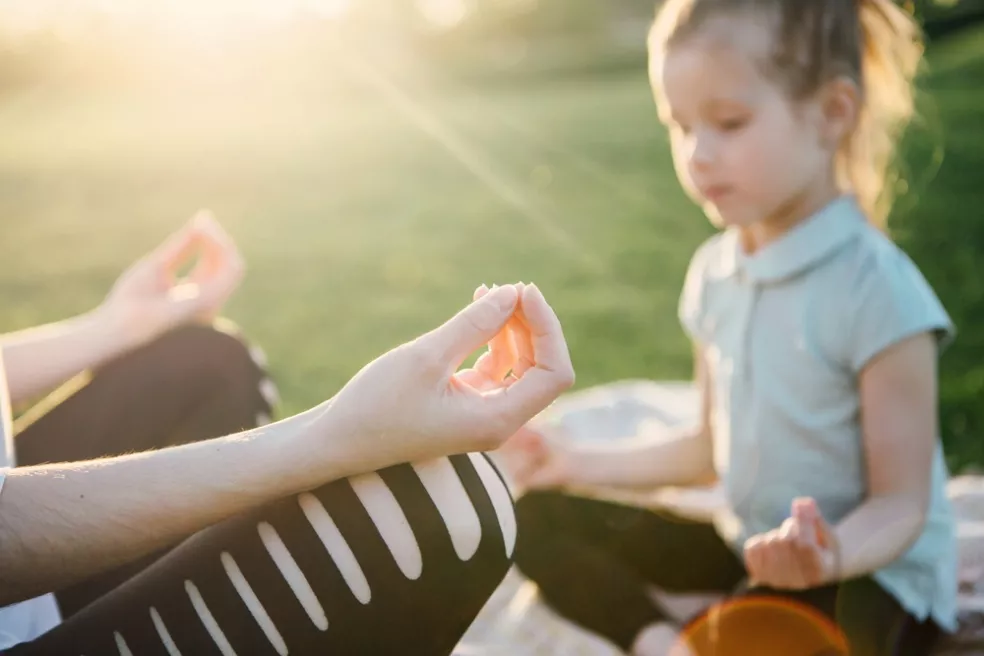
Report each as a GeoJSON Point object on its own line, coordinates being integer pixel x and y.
{"type": "Point", "coordinates": [840, 110]}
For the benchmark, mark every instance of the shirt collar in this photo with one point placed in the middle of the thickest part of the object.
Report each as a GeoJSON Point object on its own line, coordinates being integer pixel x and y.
{"type": "Point", "coordinates": [802, 248]}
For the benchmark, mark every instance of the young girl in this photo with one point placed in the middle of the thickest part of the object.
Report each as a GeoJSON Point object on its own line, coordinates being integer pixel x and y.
{"type": "Point", "coordinates": [816, 340]}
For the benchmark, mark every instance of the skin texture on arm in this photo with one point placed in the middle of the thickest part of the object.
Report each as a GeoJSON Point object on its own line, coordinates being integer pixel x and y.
{"type": "Point", "coordinates": [680, 459]}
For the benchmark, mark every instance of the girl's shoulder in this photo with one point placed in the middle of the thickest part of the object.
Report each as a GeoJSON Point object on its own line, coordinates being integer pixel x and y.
{"type": "Point", "coordinates": [886, 296]}
{"type": "Point", "coordinates": [874, 257]}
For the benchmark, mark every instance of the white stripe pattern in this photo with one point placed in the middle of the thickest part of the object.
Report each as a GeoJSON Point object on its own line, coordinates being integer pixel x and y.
{"type": "Point", "coordinates": [445, 489]}
{"type": "Point", "coordinates": [391, 523]}
{"type": "Point", "coordinates": [448, 493]}
{"type": "Point", "coordinates": [172, 649]}
{"type": "Point", "coordinates": [205, 615]}
{"type": "Point", "coordinates": [121, 645]}
{"type": "Point", "coordinates": [258, 356]}
{"type": "Point", "coordinates": [501, 500]}
{"type": "Point", "coordinates": [337, 547]}
{"type": "Point", "coordinates": [269, 393]}
{"type": "Point", "coordinates": [293, 575]}
{"type": "Point", "coordinates": [253, 603]}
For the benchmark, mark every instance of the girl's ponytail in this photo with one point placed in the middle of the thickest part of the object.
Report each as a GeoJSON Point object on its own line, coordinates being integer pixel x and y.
{"type": "Point", "coordinates": [891, 49]}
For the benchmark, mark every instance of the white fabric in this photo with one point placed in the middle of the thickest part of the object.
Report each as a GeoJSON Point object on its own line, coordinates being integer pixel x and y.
{"type": "Point", "coordinates": [28, 620]}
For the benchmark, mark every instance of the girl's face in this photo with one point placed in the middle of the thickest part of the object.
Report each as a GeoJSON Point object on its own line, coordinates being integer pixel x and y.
{"type": "Point", "coordinates": [742, 149]}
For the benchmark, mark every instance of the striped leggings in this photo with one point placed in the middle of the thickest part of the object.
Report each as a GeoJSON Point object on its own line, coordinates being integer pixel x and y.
{"type": "Point", "coordinates": [398, 561]}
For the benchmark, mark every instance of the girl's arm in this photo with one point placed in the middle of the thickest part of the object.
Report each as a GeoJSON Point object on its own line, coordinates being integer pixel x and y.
{"type": "Point", "coordinates": [899, 428]}
{"type": "Point", "coordinates": [653, 461]}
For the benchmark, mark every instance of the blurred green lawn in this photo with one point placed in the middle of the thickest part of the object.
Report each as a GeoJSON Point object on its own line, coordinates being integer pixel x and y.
{"type": "Point", "coordinates": [368, 218]}
{"type": "Point", "coordinates": [364, 220]}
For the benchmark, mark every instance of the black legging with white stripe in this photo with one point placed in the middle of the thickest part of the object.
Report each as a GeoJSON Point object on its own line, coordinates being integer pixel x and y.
{"type": "Point", "coordinates": [394, 562]}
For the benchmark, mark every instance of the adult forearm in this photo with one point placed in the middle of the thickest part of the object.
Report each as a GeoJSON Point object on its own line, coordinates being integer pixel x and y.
{"type": "Point", "coordinates": [62, 522]}
{"type": "Point", "coordinates": [38, 359]}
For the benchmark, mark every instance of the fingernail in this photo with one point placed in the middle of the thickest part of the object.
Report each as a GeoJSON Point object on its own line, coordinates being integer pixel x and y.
{"type": "Point", "coordinates": [504, 297]}
{"type": "Point", "coordinates": [483, 287]}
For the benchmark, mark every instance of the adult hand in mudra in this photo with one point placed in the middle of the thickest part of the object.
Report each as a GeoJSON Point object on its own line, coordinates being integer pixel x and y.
{"type": "Point", "coordinates": [415, 404]}
{"type": "Point", "coordinates": [150, 297]}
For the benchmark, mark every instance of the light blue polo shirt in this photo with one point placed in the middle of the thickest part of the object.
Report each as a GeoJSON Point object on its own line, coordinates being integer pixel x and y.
{"type": "Point", "coordinates": [786, 332]}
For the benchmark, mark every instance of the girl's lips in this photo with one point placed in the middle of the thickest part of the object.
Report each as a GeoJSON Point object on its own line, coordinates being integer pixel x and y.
{"type": "Point", "coordinates": [715, 193]}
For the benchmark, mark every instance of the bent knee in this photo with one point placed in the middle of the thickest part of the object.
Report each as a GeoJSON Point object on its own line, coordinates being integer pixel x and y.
{"type": "Point", "coordinates": [427, 510]}
{"type": "Point", "coordinates": [219, 353]}
{"type": "Point", "coordinates": [468, 519]}
{"type": "Point", "coordinates": [210, 347]}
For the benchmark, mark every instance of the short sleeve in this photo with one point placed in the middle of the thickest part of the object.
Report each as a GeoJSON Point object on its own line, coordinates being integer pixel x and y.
{"type": "Point", "coordinates": [693, 299]}
{"type": "Point", "coordinates": [892, 302]}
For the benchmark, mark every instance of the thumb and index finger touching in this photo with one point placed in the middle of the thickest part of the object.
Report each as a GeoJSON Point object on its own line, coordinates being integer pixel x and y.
{"type": "Point", "coordinates": [500, 359]}
{"type": "Point", "coordinates": [201, 236]}
{"type": "Point", "coordinates": [550, 371]}
{"type": "Point", "coordinates": [813, 527]}
{"type": "Point", "coordinates": [218, 264]}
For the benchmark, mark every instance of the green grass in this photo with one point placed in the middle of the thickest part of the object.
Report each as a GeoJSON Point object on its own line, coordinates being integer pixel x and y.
{"type": "Point", "coordinates": [940, 226]}
{"type": "Point", "coordinates": [363, 224]}
{"type": "Point", "coordinates": [368, 218]}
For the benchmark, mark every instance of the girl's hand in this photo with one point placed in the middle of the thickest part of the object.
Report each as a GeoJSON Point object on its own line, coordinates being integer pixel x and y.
{"type": "Point", "coordinates": [802, 553]}
{"type": "Point", "coordinates": [413, 404]}
{"type": "Point", "coordinates": [149, 298]}
{"type": "Point", "coordinates": [533, 461]}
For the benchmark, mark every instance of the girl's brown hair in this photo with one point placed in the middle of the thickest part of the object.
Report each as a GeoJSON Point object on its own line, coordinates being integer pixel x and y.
{"type": "Point", "coordinates": [872, 42]}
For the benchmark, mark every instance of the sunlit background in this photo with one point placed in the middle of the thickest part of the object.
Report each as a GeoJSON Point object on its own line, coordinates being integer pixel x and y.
{"type": "Point", "coordinates": [378, 159]}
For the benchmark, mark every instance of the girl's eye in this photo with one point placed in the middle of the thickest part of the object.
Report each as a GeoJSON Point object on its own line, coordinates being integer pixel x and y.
{"type": "Point", "coordinates": [732, 124]}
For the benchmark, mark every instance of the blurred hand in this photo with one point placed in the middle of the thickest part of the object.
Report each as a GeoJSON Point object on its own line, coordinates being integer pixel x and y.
{"type": "Point", "coordinates": [414, 404]}
{"type": "Point", "coordinates": [799, 554]}
{"type": "Point", "coordinates": [149, 298]}
{"type": "Point", "coordinates": [534, 461]}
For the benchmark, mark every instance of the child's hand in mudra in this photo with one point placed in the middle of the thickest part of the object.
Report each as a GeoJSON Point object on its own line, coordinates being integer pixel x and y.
{"type": "Point", "coordinates": [802, 553]}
